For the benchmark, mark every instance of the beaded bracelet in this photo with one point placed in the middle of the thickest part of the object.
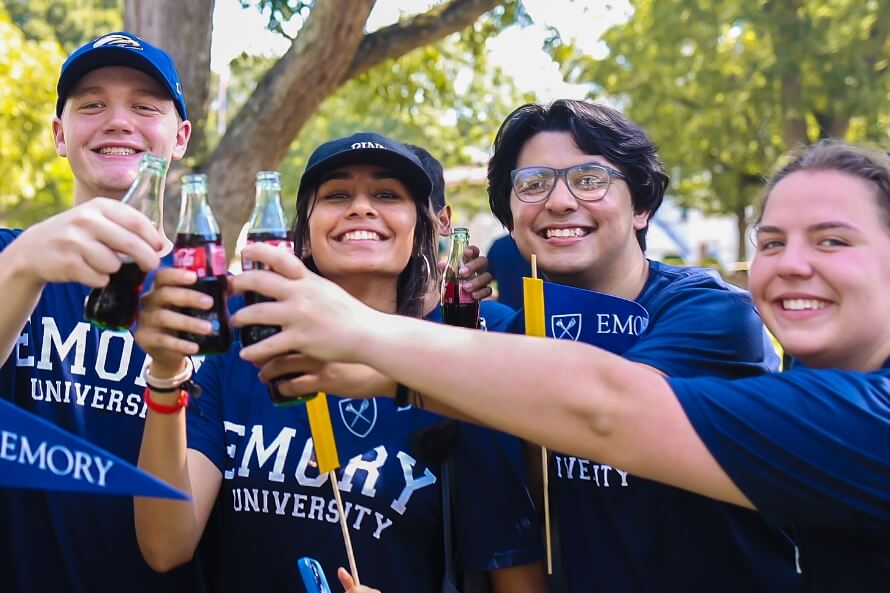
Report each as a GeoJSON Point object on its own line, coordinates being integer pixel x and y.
{"type": "Point", "coordinates": [169, 384]}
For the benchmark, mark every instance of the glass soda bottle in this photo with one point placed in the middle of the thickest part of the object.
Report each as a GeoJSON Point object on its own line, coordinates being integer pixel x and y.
{"type": "Point", "coordinates": [198, 247]}
{"type": "Point", "coordinates": [267, 224]}
{"type": "Point", "coordinates": [116, 305]}
{"type": "Point", "coordinates": [458, 306]}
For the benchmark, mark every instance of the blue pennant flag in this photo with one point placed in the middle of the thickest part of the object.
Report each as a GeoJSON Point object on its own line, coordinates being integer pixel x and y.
{"type": "Point", "coordinates": [37, 454]}
{"type": "Point", "coordinates": [608, 322]}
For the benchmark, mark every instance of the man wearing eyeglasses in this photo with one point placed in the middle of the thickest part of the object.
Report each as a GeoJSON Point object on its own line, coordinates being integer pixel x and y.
{"type": "Point", "coordinates": [576, 184]}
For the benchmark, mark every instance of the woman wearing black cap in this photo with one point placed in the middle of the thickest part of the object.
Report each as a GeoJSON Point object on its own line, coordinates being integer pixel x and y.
{"type": "Point", "coordinates": [363, 221]}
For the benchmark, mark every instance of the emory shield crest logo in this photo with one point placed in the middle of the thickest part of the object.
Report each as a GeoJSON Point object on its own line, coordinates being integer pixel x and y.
{"type": "Point", "coordinates": [566, 327]}
{"type": "Point", "coordinates": [359, 415]}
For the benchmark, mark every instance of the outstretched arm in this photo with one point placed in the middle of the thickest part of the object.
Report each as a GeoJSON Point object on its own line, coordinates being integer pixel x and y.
{"type": "Point", "coordinates": [80, 245]}
{"type": "Point", "coordinates": [168, 531]}
{"type": "Point", "coordinates": [568, 396]}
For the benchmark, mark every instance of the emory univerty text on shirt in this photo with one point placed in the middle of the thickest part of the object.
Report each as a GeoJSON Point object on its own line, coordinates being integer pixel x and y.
{"type": "Point", "coordinates": [107, 365]}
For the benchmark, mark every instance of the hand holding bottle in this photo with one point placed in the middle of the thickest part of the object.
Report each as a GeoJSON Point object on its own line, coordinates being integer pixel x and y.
{"type": "Point", "coordinates": [198, 248]}
{"type": "Point", "coordinates": [268, 225]}
{"type": "Point", "coordinates": [162, 321]}
{"type": "Point", "coordinates": [458, 305]}
{"type": "Point", "coordinates": [83, 244]}
{"type": "Point", "coordinates": [317, 317]}
{"type": "Point", "coordinates": [474, 275]}
{"type": "Point", "coordinates": [114, 305]}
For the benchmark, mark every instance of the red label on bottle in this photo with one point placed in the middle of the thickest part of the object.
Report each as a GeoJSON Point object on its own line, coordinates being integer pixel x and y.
{"type": "Point", "coordinates": [217, 259]}
{"type": "Point", "coordinates": [248, 264]}
{"type": "Point", "coordinates": [196, 259]}
{"type": "Point", "coordinates": [454, 293]}
{"type": "Point", "coordinates": [191, 258]}
{"type": "Point", "coordinates": [465, 297]}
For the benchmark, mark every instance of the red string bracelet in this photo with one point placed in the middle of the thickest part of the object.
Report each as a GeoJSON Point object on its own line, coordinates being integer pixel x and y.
{"type": "Point", "coordinates": [181, 402]}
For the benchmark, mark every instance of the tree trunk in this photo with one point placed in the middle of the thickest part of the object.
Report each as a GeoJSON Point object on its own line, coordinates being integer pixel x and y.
{"type": "Point", "coordinates": [741, 217]}
{"type": "Point", "coordinates": [182, 29]}
{"type": "Point", "coordinates": [832, 125]}
{"type": "Point", "coordinates": [794, 124]}
{"type": "Point", "coordinates": [286, 96]}
{"type": "Point", "coordinates": [785, 21]}
{"type": "Point", "coordinates": [329, 50]}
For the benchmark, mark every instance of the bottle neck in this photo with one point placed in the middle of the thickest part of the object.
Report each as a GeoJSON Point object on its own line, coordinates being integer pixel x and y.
{"type": "Point", "coordinates": [146, 193]}
{"type": "Point", "coordinates": [196, 217]}
{"type": "Point", "coordinates": [268, 215]}
{"type": "Point", "coordinates": [456, 254]}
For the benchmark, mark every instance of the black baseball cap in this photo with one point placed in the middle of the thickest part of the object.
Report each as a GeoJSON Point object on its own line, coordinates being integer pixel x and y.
{"type": "Point", "coordinates": [437, 175]}
{"type": "Point", "coordinates": [371, 149]}
{"type": "Point", "coordinates": [121, 49]}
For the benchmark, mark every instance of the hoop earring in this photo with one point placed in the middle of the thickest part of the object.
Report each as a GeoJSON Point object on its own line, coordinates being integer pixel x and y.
{"type": "Point", "coordinates": [426, 265]}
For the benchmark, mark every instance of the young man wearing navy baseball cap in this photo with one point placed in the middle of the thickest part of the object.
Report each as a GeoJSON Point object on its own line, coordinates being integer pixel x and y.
{"type": "Point", "coordinates": [119, 97]}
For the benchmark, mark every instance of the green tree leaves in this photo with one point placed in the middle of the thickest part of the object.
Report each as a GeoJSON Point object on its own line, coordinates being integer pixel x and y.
{"type": "Point", "coordinates": [727, 86]}
{"type": "Point", "coordinates": [36, 182]}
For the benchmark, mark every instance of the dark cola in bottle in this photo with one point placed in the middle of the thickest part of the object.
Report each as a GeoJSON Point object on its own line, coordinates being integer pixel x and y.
{"type": "Point", "coordinates": [458, 306]}
{"type": "Point", "coordinates": [267, 224]}
{"type": "Point", "coordinates": [198, 247]}
{"type": "Point", "coordinates": [115, 305]}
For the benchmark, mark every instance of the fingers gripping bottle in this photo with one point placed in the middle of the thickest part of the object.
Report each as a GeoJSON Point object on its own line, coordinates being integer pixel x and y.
{"type": "Point", "coordinates": [458, 306]}
{"type": "Point", "coordinates": [198, 247]}
{"type": "Point", "coordinates": [115, 305]}
{"type": "Point", "coordinates": [267, 224]}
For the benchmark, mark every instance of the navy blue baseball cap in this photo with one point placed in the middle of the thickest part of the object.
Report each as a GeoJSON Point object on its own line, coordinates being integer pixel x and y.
{"type": "Point", "coordinates": [121, 49]}
{"type": "Point", "coordinates": [437, 175]}
{"type": "Point", "coordinates": [367, 148]}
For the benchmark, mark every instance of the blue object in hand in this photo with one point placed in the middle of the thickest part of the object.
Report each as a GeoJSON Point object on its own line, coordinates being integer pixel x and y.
{"type": "Point", "coordinates": [312, 575]}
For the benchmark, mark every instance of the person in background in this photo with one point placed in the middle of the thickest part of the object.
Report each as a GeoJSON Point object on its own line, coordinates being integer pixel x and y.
{"type": "Point", "coordinates": [119, 97]}
{"type": "Point", "coordinates": [808, 447]}
{"type": "Point", "coordinates": [508, 266]}
{"type": "Point", "coordinates": [476, 277]}
{"type": "Point", "coordinates": [363, 220]}
{"type": "Point", "coordinates": [576, 184]}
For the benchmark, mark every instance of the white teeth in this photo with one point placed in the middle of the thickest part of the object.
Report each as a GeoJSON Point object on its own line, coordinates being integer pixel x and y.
{"type": "Point", "coordinates": [802, 304]}
{"type": "Point", "coordinates": [575, 232]}
{"type": "Point", "coordinates": [360, 236]}
{"type": "Point", "coordinates": [117, 150]}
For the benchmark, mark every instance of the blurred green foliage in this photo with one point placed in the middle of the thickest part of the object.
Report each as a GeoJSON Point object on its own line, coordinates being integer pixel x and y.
{"type": "Point", "coordinates": [36, 182]}
{"type": "Point", "coordinates": [445, 97]}
{"type": "Point", "coordinates": [725, 87]}
{"type": "Point", "coordinates": [70, 22]}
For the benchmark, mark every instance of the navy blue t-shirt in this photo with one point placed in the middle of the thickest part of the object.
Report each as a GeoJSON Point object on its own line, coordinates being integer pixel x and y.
{"type": "Point", "coordinates": [507, 265]}
{"type": "Point", "coordinates": [88, 382]}
{"type": "Point", "coordinates": [811, 448]}
{"type": "Point", "coordinates": [274, 507]}
{"type": "Point", "coordinates": [622, 533]}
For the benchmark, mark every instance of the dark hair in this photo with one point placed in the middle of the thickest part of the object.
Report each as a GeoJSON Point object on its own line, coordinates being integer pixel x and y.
{"type": "Point", "coordinates": [414, 280]}
{"type": "Point", "coordinates": [595, 129]}
{"type": "Point", "coordinates": [433, 168]}
{"type": "Point", "coordinates": [435, 443]}
{"type": "Point", "coordinates": [834, 155]}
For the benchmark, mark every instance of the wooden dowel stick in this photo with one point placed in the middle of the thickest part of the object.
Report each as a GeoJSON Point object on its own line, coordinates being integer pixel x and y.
{"type": "Point", "coordinates": [344, 528]}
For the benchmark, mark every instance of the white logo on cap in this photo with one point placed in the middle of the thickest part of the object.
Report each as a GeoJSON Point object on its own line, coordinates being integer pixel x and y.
{"type": "Point", "coordinates": [117, 40]}
{"type": "Point", "coordinates": [366, 145]}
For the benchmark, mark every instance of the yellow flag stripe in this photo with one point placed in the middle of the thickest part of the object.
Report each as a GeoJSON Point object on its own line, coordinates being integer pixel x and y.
{"type": "Point", "coordinates": [533, 304]}
{"type": "Point", "coordinates": [322, 433]}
